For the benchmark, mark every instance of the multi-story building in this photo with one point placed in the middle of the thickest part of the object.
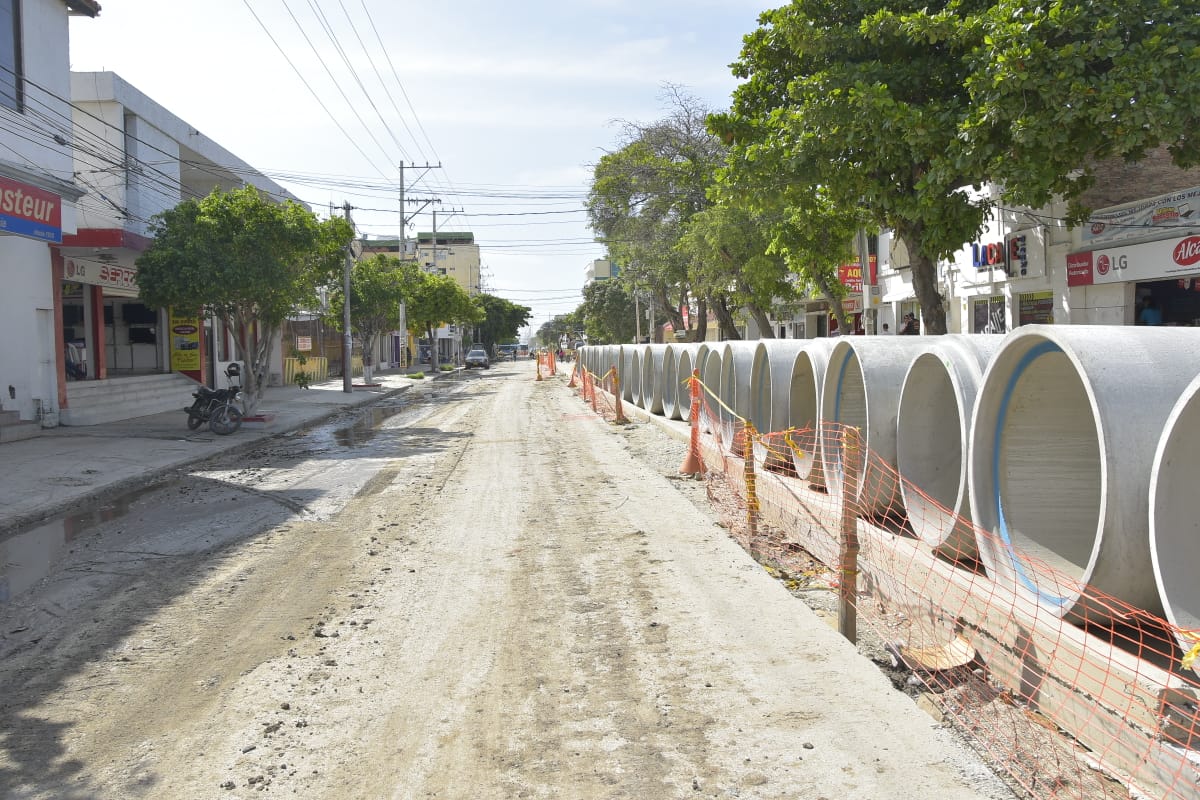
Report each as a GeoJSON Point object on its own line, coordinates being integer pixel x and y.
{"type": "Point", "coordinates": [455, 255]}
{"type": "Point", "coordinates": [38, 197]}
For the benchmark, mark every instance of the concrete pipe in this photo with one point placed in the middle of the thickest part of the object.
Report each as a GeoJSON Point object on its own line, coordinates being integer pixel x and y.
{"type": "Point", "coordinates": [933, 426]}
{"type": "Point", "coordinates": [1062, 451]}
{"type": "Point", "coordinates": [634, 395]}
{"type": "Point", "coordinates": [737, 359]}
{"type": "Point", "coordinates": [710, 376]}
{"type": "Point", "coordinates": [804, 408]}
{"type": "Point", "coordinates": [626, 369]}
{"type": "Point", "coordinates": [652, 378]}
{"type": "Point", "coordinates": [1174, 523]}
{"type": "Point", "coordinates": [674, 391]}
{"type": "Point", "coordinates": [862, 389]}
{"type": "Point", "coordinates": [771, 396]}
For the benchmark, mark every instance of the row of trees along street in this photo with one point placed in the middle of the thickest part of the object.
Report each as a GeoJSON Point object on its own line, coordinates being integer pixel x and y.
{"type": "Point", "coordinates": [251, 262]}
{"type": "Point", "coordinates": [874, 114]}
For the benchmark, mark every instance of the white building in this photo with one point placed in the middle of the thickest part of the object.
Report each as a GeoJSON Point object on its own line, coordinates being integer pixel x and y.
{"type": "Point", "coordinates": [37, 206]}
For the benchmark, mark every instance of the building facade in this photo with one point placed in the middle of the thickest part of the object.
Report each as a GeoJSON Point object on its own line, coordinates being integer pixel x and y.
{"type": "Point", "coordinates": [38, 206]}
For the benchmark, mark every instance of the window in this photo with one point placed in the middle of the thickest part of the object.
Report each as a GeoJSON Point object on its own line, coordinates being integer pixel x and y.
{"type": "Point", "coordinates": [11, 95]}
{"type": "Point", "coordinates": [988, 315]}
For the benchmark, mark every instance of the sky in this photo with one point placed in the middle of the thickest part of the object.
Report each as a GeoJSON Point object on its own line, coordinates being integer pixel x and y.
{"type": "Point", "coordinates": [516, 101]}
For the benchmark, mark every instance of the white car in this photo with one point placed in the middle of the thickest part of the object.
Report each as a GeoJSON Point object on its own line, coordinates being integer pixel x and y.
{"type": "Point", "coordinates": [477, 358]}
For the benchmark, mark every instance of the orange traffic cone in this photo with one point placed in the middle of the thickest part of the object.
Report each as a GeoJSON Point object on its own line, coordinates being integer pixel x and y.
{"type": "Point", "coordinates": [692, 463]}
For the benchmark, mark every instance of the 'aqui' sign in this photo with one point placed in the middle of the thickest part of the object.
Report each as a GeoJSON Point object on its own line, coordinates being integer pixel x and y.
{"type": "Point", "coordinates": [28, 211]}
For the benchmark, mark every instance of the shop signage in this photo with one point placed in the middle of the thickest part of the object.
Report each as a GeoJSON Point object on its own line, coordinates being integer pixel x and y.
{"type": "Point", "coordinates": [113, 276]}
{"type": "Point", "coordinates": [986, 256]}
{"type": "Point", "coordinates": [1166, 258]}
{"type": "Point", "coordinates": [851, 276]}
{"type": "Point", "coordinates": [29, 211]}
{"type": "Point", "coordinates": [1035, 308]}
{"type": "Point", "coordinates": [1142, 219]}
{"type": "Point", "coordinates": [185, 341]}
{"type": "Point", "coordinates": [304, 343]}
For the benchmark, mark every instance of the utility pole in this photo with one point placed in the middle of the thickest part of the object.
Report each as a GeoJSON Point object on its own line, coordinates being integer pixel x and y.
{"type": "Point", "coordinates": [400, 249]}
{"type": "Point", "coordinates": [347, 339]}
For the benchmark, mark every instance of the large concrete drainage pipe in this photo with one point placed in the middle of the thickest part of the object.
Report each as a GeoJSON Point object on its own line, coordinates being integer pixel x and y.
{"type": "Point", "coordinates": [629, 363]}
{"type": "Point", "coordinates": [1061, 456]}
{"type": "Point", "coordinates": [737, 359]}
{"type": "Point", "coordinates": [710, 376]}
{"type": "Point", "coordinates": [771, 396]}
{"type": "Point", "coordinates": [933, 426]}
{"type": "Point", "coordinates": [1174, 523]}
{"type": "Point", "coordinates": [804, 409]}
{"type": "Point", "coordinates": [674, 391]}
{"type": "Point", "coordinates": [652, 378]}
{"type": "Point", "coordinates": [862, 390]}
{"type": "Point", "coordinates": [634, 391]}
{"type": "Point", "coordinates": [687, 362]}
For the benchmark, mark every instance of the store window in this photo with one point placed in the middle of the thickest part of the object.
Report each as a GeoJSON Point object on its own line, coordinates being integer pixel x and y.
{"type": "Point", "coordinates": [987, 315]}
{"type": "Point", "coordinates": [10, 55]}
{"type": "Point", "coordinates": [1035, 308]}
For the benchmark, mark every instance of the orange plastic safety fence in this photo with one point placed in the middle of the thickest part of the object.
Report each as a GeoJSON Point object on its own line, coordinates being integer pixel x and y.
{"type": "Point", "coordinates": [1070, 692]}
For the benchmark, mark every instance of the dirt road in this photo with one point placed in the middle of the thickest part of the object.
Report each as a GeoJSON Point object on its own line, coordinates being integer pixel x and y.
{"type": "Point", "coordinates": [521, 602]}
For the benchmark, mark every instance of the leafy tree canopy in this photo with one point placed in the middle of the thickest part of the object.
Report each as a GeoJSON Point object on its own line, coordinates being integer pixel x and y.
{"type": "Point", "coordinates": [244, 259]}
{"type": "Point", "coordinates": [502, 322]}
{"type": "Point", "coordinates": [436, 300]}
{"type": "Point", "coordinates": [864, 101]}
{"type": "Point", "coordinates": [378, 286]}
{"type": "Point", "coordinates": [607, 313]}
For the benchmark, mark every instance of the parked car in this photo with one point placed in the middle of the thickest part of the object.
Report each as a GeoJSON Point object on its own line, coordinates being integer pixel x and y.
{"type": "Point", "coordinates": [478, 358]}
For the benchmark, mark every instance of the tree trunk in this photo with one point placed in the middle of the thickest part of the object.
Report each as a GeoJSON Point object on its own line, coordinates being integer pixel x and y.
{"type": "Point", "coordinates": [765, 330]}
{"type": "Point", "coordinates": [700, 332]}
{"type": "Point", "coordinates": [669, 311]}
{"type": "Point", "coordinates": [725, 319]}
{"type": "Point", "coordinates": [924, 274]}
{"type": "Point", "coordinates": [839, 311]}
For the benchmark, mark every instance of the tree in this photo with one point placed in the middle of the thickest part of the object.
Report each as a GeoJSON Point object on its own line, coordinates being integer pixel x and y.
{"type": "Point", "coordinates": [644, 193]}
{"type": "Point", "coordinates": [245, 260]}
{"type": "Point", "coordinates": [560, 327]}
{"type": "Point", "coordinates": [864, 101]}
{"type": "Point", "coordinates": [730, 249]}
{"type": "Point", "coordinates": [436, 300]}
{"type": "Point", "coordinates": [502, 321]}
{"type": "Point", "coordinates": [607, 313]}
{"type": "Point", "coordinates": [1063, 85]}
{"type": "Point", "coordinates": [377, 288]}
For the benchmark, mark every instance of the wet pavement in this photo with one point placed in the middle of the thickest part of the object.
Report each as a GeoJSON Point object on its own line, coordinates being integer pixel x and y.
{"type": "Point", "coordinates": [78, 471]}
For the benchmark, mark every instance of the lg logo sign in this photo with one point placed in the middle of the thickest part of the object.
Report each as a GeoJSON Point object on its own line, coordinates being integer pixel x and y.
{"type": "Point", "coordinates": [1104, 264]}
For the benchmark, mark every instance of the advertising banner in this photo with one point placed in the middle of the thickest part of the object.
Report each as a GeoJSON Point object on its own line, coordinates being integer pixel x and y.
{"type": "Point", "coordinates": [1143, 218]}
{"type": "Point", "coordinates": [185, 343]}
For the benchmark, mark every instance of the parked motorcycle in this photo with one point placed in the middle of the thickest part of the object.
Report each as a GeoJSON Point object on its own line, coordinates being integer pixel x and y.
{"type": "Point", "coordinates": [217, 407]}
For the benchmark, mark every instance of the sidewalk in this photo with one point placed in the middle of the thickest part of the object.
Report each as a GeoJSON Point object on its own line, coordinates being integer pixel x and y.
{"type": "Point", "coordinates": [68, 467]}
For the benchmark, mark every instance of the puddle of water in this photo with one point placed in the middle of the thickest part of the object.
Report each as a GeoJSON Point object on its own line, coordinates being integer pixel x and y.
{"type": "Point", "coordinates": [363, 431]}
{"type": "Point", "coordinates": [28, 556]}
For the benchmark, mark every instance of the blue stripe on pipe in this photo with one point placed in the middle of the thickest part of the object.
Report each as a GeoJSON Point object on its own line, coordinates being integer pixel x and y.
{"type": "Point", "coordinates": [1023, 364]}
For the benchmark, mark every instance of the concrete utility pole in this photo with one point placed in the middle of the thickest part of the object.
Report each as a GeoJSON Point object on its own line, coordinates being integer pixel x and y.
{"type": "Point", "coordinates": [400, 249]}
{"type": "Point", "coordinates": [347, 339]}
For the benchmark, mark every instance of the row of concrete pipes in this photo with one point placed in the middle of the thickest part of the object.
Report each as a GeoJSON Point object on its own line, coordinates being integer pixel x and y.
{"type": "Point", "coordinates": [1076, 445]}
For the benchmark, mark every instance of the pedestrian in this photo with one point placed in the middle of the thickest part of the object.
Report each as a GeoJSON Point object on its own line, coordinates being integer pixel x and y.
{"type": "Point", "coordinates": [1150, 314]}
{"type": "Point", "coordinates": [886, 330]}
{"type": "Point", "coordinates": [911, 326]}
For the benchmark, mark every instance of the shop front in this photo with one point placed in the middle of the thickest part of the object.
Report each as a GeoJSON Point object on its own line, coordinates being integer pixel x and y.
{"type": "Point", "coordinates": [1161, 278]}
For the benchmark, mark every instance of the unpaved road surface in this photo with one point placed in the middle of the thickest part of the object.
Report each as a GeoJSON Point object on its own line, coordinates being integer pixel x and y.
{"type": "Point", "coordinates": [519, 601]}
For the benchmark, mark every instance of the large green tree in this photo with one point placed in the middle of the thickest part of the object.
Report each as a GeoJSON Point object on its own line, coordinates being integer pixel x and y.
{"type": "Point", "coordinates": [1059, 86]}
{"type": "Point", "coordinates": [502, 322]}
{"type": "Point", "coordinates": [245, 260]}
{"type": "Point", "coordinates": [607, 313]}
{"type": "Point", "coordinates": [436, 300]}
{"type": "Point", "coordinates": [864, 101]}
{"type": "Point", "coordinates": [643, 195]}
{"type": "Point", "coordinates": [377, 288]}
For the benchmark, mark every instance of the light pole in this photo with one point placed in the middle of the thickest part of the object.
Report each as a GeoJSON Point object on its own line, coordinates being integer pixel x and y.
{"type": "Point", "coordinates": [347, 339]}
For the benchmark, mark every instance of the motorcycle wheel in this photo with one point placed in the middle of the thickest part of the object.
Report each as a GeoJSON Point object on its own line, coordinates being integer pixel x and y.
{"type": "Point", "coordinates": [225, 420]}
{"type": "Point", "coordinates": [194, 420]}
